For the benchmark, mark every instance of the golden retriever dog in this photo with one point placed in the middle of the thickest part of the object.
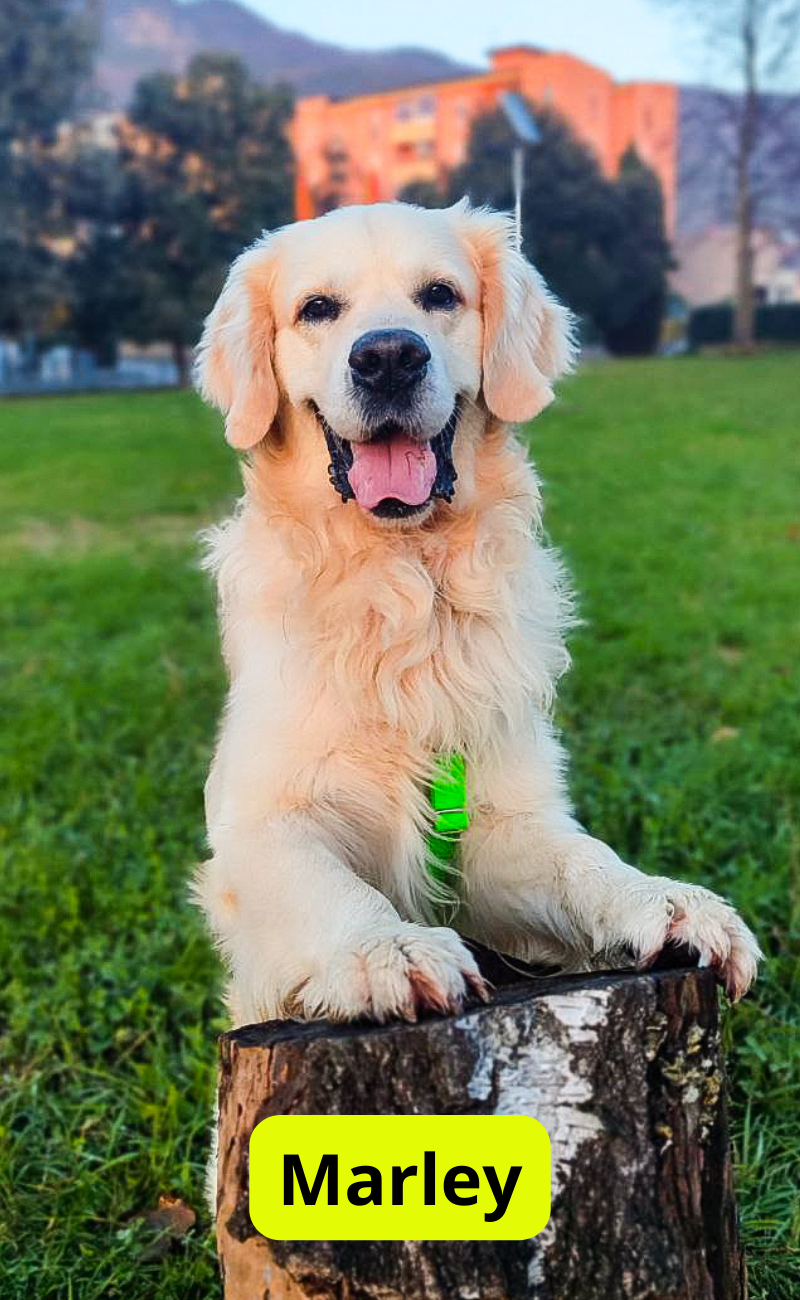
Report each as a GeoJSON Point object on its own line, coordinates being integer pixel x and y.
{"type": "Point", "coordinates": [385, 598]}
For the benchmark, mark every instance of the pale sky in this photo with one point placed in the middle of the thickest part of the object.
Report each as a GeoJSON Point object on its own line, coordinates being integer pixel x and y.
{"type": "Point", "coordinates": [629, 38]}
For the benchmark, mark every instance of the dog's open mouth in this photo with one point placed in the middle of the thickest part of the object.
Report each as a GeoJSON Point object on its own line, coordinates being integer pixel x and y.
{"type": "Point", "coordinates": [392, 475]}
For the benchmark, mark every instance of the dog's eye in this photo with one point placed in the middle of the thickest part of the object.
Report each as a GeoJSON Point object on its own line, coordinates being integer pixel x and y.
{"type": "Point", "coordinates": [320, 307]}
{"type": "Point", "coordinates": [437, 296]}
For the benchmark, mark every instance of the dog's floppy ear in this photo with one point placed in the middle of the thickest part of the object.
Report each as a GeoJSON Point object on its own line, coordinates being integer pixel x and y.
{"type": "Point", "coordinates": [233, 364]}
{"type": "Point", "coordinates": [527, 334]}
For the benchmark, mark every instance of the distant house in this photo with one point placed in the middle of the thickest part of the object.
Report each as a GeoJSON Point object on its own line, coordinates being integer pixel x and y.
{"type": "Point", "coordinates": [97, 130]}
{"type": "Point", "coordinates": [706, 271]}
{"type": "Point", "coordinates": [367, 148]}
{"type": "Point", "coordinates": [65, 369]}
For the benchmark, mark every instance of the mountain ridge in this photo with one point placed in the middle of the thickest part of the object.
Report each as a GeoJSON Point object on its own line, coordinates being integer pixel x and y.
{"type": "Point", "coordinates": [140, 37]}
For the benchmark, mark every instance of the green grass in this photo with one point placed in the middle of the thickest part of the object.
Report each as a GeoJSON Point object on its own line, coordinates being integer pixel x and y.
{"type": "Point", "coordinates": [674, 490]}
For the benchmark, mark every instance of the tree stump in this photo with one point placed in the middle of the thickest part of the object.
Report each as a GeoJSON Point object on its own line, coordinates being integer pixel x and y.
{"type": "Point", "coordinates": [624, 1070]}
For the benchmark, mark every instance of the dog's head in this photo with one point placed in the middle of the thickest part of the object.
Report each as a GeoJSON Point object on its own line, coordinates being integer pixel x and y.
{"type": "Point", "coordinates": [385, 323]}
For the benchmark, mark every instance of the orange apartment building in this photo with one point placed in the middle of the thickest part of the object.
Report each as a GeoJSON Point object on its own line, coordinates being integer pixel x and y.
{"type": "Point", "coordinates": [368, 148]}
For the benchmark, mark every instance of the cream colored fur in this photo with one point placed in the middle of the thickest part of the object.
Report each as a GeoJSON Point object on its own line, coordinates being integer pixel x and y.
{"type": "Point", "coordinates": [357, 650]}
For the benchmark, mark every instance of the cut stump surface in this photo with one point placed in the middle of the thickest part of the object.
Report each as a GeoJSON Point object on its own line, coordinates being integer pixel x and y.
{"type": "Point", "coordinates": [624, 1070]}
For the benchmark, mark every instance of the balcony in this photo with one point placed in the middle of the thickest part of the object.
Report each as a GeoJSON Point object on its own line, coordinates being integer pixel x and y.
{"type": "Point", "coordinates": [413, 130]}
{"type": "Point", "coordinates": [414, 169]}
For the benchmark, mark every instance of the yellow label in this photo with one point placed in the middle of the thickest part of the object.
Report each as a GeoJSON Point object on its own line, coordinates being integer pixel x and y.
{"type": "Point", "coordinates": [399, 1177]}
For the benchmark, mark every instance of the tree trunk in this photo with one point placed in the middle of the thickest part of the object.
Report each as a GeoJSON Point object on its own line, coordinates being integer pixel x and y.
{"type": "Point", "coordinates": [180, 355]}
{"type": "Point", "coordinates": [625, 1072]}
{"type": "Point", "coordinates": [744, 312]}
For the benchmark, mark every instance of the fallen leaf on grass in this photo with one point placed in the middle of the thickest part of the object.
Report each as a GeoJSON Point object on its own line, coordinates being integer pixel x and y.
{"type": "Point", "coordinates": [170, 1222]}
{"type": "Point", "coordinates": [724, 733]}
{"type": "Point", "coordinates": [730, 654]}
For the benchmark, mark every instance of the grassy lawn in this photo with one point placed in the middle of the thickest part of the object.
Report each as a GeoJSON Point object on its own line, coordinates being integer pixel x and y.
{"type": "Point", "coordinates": [674, 490]}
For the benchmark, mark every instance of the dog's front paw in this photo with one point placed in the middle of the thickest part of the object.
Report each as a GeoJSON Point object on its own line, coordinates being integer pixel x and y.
{"type": "Point", "coordinates": [664, 912]}
{"type": "Point", "coordinates": [392, 974]}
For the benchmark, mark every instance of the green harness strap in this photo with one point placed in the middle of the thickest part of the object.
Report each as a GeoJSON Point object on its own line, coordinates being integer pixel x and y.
{"type": "Point", "coordinates": [448, 796]}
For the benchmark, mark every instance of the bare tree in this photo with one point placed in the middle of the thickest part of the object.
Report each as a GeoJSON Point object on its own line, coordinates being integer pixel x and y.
{"type": "Point", "coordinates": [753, 46]}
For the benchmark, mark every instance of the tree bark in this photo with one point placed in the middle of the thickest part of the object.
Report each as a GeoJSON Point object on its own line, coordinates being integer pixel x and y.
{"type": "Point", "coordinates": [744, 311]}
{"type": "Point", "coordinates": [624, 1070]}
{"type": "Point", "coordinates": [180, 355]}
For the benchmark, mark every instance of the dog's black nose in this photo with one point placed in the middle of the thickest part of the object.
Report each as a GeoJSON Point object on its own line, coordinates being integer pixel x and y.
{"type": "Point", "coordinates": [386, 361]}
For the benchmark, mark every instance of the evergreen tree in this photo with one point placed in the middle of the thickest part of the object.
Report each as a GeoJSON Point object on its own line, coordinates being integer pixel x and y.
{"type": "Point", "coordinates": [630, 318]}
{"type": "Point", "coordinates": [206, 167]}
{"type": "Point", "coordinates": [599, 243]}
{"type": "Point", "coordinates": [45, 59]}
{"type": "Point", "coordinates": [102, 293]}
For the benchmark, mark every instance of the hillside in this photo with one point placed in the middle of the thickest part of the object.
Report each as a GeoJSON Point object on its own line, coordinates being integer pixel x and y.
{"type": "Point", "coordinates": [143, 36]}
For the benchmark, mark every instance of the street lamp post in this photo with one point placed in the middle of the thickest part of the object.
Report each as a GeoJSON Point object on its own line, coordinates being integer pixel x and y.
{"type": "Point", "coordinates": [518, 179]}
{"type": "Point", "coordinates": [526, 132]}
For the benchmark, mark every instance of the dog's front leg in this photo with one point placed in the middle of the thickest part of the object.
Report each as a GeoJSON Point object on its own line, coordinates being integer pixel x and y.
{"type": "Point", "coordinates": [540, 888]}
{"type": "Point", "coordinates": [306, 937]}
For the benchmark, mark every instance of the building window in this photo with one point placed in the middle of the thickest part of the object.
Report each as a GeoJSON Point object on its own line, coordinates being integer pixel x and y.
{"type": "Point", "coordinates": [426, 105]}
{"type": "Point", "coordinates": [336, 152]}
{"type": "Point", "coordinates": [403, 111]}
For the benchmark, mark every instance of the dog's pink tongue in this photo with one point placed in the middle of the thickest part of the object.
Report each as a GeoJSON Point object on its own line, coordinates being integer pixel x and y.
{"type": "Point", "coordinates": [392, 467]}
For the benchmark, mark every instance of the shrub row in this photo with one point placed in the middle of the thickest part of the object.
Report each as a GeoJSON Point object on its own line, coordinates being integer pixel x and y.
{"type": "Point", "coordinates": [775, 323]}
